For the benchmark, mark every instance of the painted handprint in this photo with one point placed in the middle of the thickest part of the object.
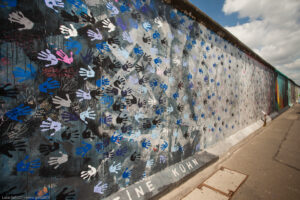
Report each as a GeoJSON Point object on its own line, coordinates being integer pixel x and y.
{"type": "Point", "coordinates": [19, 18]}
{"type": "Point", "coordinates": [62, 102]}
{"type": "Point", "coordinates": [82, 151]}
{"type": "Point", "coordinates": [100, 188]}
{"type": "Point", "coordinates": [64, 57]}
{"type": "Point", "coordinates": [90, 114]}
{"type": "Point", "coordinates": [67, 116]}
{"type": "Point", "coordinates": [102, 46]}
{"type": "Point", "coordinates": [50, 124]}
{"type": "Point", "coordinates": [113, 9]}
{"type": "Point", "coordinates": [56, 3]}
{"type": "Point", "coordinates": [49, 84]}
{"type": "Point", "coordinates": [20, 110]}
{"type": "Point", "coordinates": [83, 95]}
{"type": "Point", "coordinates": [45, 149]}
{"type": "Point", "coordinates": [8, 92]}
{"type": "Point", "coordinates": [115, 168]}
{"type": "Point", "coordinates": [73, 44]}
{"type": "Point", "coordinates": [94, 35]}
{"type": "Point", "coordinates": [87, 175]}
{"type": "Point", "coordinates": [149, 163]}
{"type": "Point", "coordinates": [146, 143]}
{"type": "Point", "coordinates": [29, 166]}
{"type": "Point", "coordinates": [109, 25]}
{"type": "Point", "coordinates": [164, 145]}
{"type": "Point", "coordinates": [157, 20]}
{"type": "Point", "coordinates": [27, 74]}
{"type": "Point", "coordinates": [64, 195]}
{"type": "Point", "coordinates": [147, 26]}
{"type": "Point", "coordinates": [87, 73]}
{"type": "Point", "coordinates": [126, 173]}
{"type": "Point", "coordinates": [126, 36]}
{"type": "Point", "coordinates": [68, 32]}
{"type": "Point", "coordinates": [48, 56]}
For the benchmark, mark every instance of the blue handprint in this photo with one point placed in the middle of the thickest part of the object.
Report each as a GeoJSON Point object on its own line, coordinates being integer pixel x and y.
{"type": "Point", "coordinates": [164, 145]}
{"type": "Point", "coordinates": [102, 81]}
{"type": "Point", "coordinates": [124, 7]}
{"type": "Point", "coordinates": [138, 4]}
{"type": "Point", "coordinates": [27, 74]}
{"type": "Point", "coordinates": [157, 60]}
{"type": "Point", "coordinates": [126, 173]}
{"type": "Point", "coordinates": [73, 44]}
{"type": "Point", "coordinates": [49, 84]}
{"type": "Point", "coordinates": [102, 46]}
{"type": "Point", "coordinates": [116, 138]}
{"type": "Point", "coordinates": [146, 143]}
{"type": "Point", "coordinates": [156, 35]}
{"type": "Point", "coordinates": [106, 99]}
{"type": "Point", "coordinates": [163, 86]}
{"type": "Point", "coordinates": [21, 110]}
{"type": "Point", "coordinates": [81, 151]}
{"type": "Point", "coordinates": [175, 95]}
{"type": "Point", "coordinates": [24, 167]}
{"type": "Point", "coordinates": [153, 83]}
{"type": "Point", "coordinates": [190, 76]}
{"type": "Point", "coordinates": [138, 50]}
{"type": "Point", "coordinates": [8, 3]}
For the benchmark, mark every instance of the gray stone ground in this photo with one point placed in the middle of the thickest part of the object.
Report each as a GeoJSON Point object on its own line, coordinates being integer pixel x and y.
{"type": "Point", "coordinates": [271, 158]}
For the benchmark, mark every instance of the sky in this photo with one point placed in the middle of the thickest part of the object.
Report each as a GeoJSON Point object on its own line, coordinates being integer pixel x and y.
{"type": "Point", "coordinates": [271, 28]}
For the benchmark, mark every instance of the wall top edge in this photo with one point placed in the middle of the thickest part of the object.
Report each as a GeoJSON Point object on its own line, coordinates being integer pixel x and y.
{"type": "Point", "coordinates": [195, 13]}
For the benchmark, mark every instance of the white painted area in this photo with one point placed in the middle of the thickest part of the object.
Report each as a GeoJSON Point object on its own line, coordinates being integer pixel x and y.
{"type": "Point", "coordinates": [226, 180]}
{"type": "Point", "coordinates": [205, 194]}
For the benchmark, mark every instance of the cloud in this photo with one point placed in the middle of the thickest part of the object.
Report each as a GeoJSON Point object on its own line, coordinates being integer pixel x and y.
{"type": "Point", "coordinates": [273, 31]}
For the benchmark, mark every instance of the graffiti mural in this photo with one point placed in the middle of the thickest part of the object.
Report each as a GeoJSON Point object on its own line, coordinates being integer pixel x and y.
{"type": "Point", "coordinates": [98, 95]}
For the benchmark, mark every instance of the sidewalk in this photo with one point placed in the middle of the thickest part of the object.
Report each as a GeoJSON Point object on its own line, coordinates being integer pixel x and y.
{"type": "Point", "coordinates": [270, 157]}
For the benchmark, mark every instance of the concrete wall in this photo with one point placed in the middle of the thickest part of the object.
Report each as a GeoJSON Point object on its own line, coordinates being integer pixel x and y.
{"type": "Point", "coordinates": [96, 95]}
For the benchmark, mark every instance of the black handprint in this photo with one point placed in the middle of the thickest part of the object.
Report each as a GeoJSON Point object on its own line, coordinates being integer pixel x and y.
{"type": "Point", "coordinates": [139, 68]}
{"type": "Point", "coordinates": [112, 90]}
{"type": "Point", "coordinates": [127, 66]}
{"type": "Point", "coordinates": [87, 18]}
{"type": "Point", "coordinates": [126, 92]}
{"type": "Point", "coordinates": [68, 17]}
{"type": "Point", "coordinates": [156, 121]}
{"type": "Point", "coordinates": [5, 92]}
{"type": "Point", "coordinates": [147, 58]}
{"type": "Point", "coordinates": [112, 41]}
{"type": "Point", "coordinates": [88, 134]}
{"type": "Point", "coordinates": [167, 71]}
{"type": "Point", "coordinates": [180, 107]}
{"type": "Point", "coordinates": [131, 101]}
{"type": "Point", "coordinates": [45, 149]}
{"type": "Point", "coordinates": [117, 106]}
{"type": "Point", "coordinates": [136, 15]}
{"type": "Point", "coordinates": [97, 93]}
{"type": "Point", "coordinates": [88, 57]}
{"type": "Point", "coordinates": [141, 103]}
{"type": "Point", "coordinates": [68, 135]}
{"type": "Point", "coordinates": [186, 135]}
{"type": "Point", "coordinates": [147, 125]}
{"type": "Point", "coordinates": [64, 195]}
{"type": "Point", "coordinates": [135, 156]}
{"type": "Point", "coordinates": [120, 119]}
{"type": "Point", "coordinates": [119, 82]}
{"type": "Point", "coordinates": [8, 195]}
{"type": "Point", "coordinates": [180, 85]}
{"type": "Point", "coordinates": [16, 145]}
{"type": "Point", "coordinates": [164, 41]}
{"type": "Point", "coordinates": [109, 154]}
{"type": "Point", "coordinates": [143, 80]}
{"type": "Point", "coordinates": [146, 39]}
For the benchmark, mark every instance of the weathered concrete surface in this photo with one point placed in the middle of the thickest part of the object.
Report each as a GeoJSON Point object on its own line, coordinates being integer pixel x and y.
{"type": "Point", "coordinates": [270, 157]}
{"type": "Point", "coordinates": [166, 179]}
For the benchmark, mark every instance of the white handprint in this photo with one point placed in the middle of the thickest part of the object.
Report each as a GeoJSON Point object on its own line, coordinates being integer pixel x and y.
{"type": "Point", "coordinates": [19, 18]}
{"type": "Point", "coordinates": [115, 168]}
{"type": "Point", "coordinates": [87, 73]}
{"type": "Point", "coordinates": [149, 163]}
{"type": "Point", "coordinates": [48, 56]}
{"type": "Point", "coordinates": [50, 124]}
{"type": "Point", "coordinates": [109, 25]}
{"type": "Point", "coordinates": [176, 61]}
{"type": "Point", "coordinates": [126, 36]}
{"type": "Point", "coordinates": [68, 32]}
{"type": "Point", "coordinates": [110, 6]}
{"type": "Point", "coordinates": [152, 101]}
{"type": "Point", "coordinates": [100, 188]}
{"type": "Point", "coordinates": [57, 161]}
{"type": "Point", "coordinates": [52, 3]}
{"type": "Point", "coordinates": [90, 114]}
{"type": "Point", "coordinates": [88, 174]}
{"type": "Point", "coordinates": [158, 22]}
{"type": "Point", "coordinates": [62, 102]}
{"type": "Point", "coordinates": [83, 95]}
{"type": "Point", "coordinates": [94, 35]}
